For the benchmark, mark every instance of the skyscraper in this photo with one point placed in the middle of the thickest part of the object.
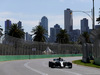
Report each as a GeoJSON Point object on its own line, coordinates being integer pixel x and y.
{"type": "Point", "coordinates": [84, 25]}
{"type": "Point", "coordinates": [28, 37]}
{"type": "Point", "coordinates": [74, 36]}
{"type": "Point", "coordinates": [44, 24]}
{"type": "Point", "coordinates": [7, 26]}
{"type": "Point", "coordinates": [68, 20]}
{"type": "Point", "coordinates": [19, 24]}
{"type": "Point", "coordinates": [53, 32]}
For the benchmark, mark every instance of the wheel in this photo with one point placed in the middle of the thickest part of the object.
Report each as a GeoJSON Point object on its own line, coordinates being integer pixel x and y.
{"type": "Point", "coordinates": [65, 64]}
{"type": "Point", "coordinates": [69, 65]}
{"type": "Point", "coordinates": [51, 64]}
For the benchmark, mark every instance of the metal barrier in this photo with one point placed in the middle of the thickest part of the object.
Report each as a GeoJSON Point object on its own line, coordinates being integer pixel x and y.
{"type": "Point", "coordinates": [22, 57]}
{"type": "Point", "coordinates": [15, 46]}
{"type": "Point", "coordinates": [97, 61]}
{"type": "Point", "coordinates": [15, 49]}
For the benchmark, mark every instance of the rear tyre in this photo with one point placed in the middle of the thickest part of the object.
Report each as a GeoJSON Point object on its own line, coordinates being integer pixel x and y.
{"type": "Point", "coordinates": [65, 64]}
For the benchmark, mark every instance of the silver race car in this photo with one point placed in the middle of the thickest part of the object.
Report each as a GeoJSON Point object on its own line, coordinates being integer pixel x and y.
{"type": "Point", "coordinates": [59, 63]}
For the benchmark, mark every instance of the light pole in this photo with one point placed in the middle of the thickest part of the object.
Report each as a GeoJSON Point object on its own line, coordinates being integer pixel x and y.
{"type": "Point", "coordinates": [86, 12]}
{"type": "Point", "coordinates": [93, 16]}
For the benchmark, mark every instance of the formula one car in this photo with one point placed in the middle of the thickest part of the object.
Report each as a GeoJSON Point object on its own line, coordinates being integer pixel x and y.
{"type": "Point", "coordinates": [59, 63]}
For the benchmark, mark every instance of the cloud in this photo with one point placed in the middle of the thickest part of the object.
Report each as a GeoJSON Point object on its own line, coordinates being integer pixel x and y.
{"type": "Point", "coordinates": [85, 0]}
{"type": "Point", "coordinates": [5, 13]}
{"type": "Point", "coordinates": [61, 0]}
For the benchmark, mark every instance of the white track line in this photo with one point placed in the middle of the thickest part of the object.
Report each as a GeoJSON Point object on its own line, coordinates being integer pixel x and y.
{"type": "Point", "coordinates": [92, 74]}
{"type": "Point", "coordinates": [69, 72]}
{"type": "Point", "coordinates": [32, 69]}
{"type": "Point", "coordinates": [26, 65]}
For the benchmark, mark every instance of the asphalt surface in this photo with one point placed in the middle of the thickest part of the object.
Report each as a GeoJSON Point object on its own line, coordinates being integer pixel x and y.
{"type": "Point", "coordinates": [40, 67]}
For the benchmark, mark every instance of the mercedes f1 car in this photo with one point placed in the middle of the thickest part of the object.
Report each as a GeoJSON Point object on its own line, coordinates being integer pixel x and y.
{"type": "Point", "coordinates": [59, 63]}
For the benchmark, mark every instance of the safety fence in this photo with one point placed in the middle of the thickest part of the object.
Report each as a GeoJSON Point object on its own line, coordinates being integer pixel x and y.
{"type": "Point", "coordinates": [15, 46]}
{"type": "Point", "coordinates": [22, 57]}
{"type": "Point", "coordinates": [39, 48]}
{"type": "Point", "coordinates": [15, 49]}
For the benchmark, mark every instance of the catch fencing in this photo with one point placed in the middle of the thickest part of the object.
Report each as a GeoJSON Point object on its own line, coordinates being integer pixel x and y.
{"type": "Point", "coordinates": [15, 46]}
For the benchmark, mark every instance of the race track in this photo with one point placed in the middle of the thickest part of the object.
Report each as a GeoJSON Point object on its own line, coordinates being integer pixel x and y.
{"type": "Point", "coordinates": [40, 67]}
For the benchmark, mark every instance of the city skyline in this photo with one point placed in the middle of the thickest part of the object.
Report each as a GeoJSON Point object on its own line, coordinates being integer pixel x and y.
{"type": "Point", "coordinates": [31, 14]}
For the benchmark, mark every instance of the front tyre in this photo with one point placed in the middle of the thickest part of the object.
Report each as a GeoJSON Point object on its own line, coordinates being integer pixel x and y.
{"type": "Point", "coordinates": [69, 65]}
{"type": "Point", "coordinates": [51, 64]}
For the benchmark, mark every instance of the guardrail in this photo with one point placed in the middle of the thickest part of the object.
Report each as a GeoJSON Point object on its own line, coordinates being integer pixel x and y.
{"type": "Point", "coordinates": [22, 57]}
{"type": "Point", "coordinates": [97, 61]}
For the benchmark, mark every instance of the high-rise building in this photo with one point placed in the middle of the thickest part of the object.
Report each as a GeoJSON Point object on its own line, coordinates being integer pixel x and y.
{"type": "Point", "coordinates": [28, 37]}
{"type": "Point", "coordinates": [97, 26]}
{"type": "Point", "coordinates": [68, 20]}
{"type": "Point", "coordinates": [84, 25]}
{"type": "Point", "coordinates": [74, 35]}
{"type": "Point", "coordinates": [44, 24]}
{"type": "Point", "coordinates": [53, 32]}
{"type": "Point", "coordinates": [52, 35]}
{"type": "Point", "coordinates": [7, 26]}
{"type": "Point", "coordinates": [19, 24]}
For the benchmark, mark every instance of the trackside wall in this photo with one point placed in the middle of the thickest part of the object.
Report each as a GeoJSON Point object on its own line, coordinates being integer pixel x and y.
{"type": "Point", "coordinates": [22, 57]}
{"type": "Point", "coordinates": [97, 61]}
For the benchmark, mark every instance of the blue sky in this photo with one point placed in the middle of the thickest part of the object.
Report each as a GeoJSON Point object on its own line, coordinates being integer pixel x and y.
{"type": "Point", "coordinates": [31, 11]}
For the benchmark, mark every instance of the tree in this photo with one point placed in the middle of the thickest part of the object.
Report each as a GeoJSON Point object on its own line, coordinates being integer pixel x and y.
{"type": "Point", "coordinates": [15, 31]}
{"type": "Point", "coordinates": [39, 34]}
{"type": "Point", "coordinates": [62, 37]}
{"type": "Point", "coordinates": [18, 33]}
{"type": "Point", "coordinates": [86, 36]}
{"type": "Point", "coordinates": [1, 31]}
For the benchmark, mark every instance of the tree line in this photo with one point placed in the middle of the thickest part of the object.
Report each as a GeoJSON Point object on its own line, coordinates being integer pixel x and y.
{"type": "Point", "coordinates": [39, 33]}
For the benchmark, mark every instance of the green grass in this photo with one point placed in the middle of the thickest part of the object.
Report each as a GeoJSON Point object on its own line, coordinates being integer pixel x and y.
{"type": "Point", "coordinates": [79, 62]}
